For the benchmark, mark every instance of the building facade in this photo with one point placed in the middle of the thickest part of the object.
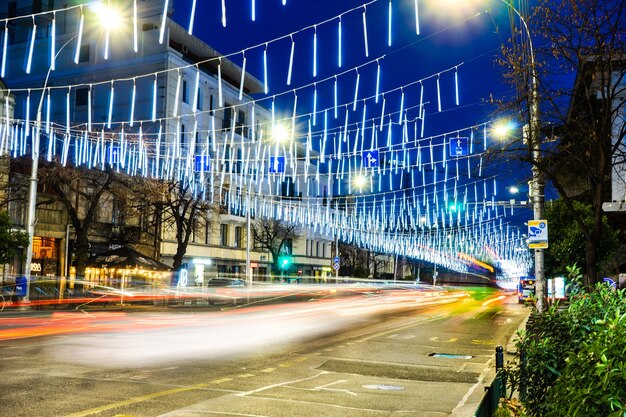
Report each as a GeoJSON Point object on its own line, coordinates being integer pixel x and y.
{"type": "Point", "coordinates": [168, 88]}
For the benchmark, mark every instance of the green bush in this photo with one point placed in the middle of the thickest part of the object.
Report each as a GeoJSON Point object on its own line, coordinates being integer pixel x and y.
{"type": "Point", "coordinates": [573, 361]}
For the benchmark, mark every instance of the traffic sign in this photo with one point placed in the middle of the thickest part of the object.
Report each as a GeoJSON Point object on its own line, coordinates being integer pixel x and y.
{"type": "Point", "coordinates": [114, 155]}
{"type": "Point", "coordinates": [277, 164]}
{"type": "Point", "coordinates": [336, 263]}
{"type": "Point", "coordinates": [610, 282]}
{"type": "Point", "coordinates": [202, 163]}
{"type": "Point", "coordinates": [20, 286]}
{"type": "Point", "coordinates": [538, 234]}
{"type": "Point", "coordinates": [370, 159]}
{"type": "Point", "coordinates": [459, 147]}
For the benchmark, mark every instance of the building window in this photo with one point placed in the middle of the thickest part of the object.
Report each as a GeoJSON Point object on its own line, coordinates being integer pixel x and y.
{"type": "Point", "coordinates": [317, 249]}
{"type": "Point", "coordinates": [239, 162]}
{"type": "Point", "coordinates": [207, 235]}
{"type": "Point", "coordinates": [200, 99]}
{"type": "Point", "coordinates": [242, 129]}
{"type": "Point", "coordinates": [228, 115]}
{"type": "Point", "coordinates": [82, 96]}
{"type": "Point", "coordinates": [211, 102]}
{"type": "Point", "coordinates": [83, 55]}
{"type": "Point", "coordinates": [238, 236]}
{"type": "Point", "coordinates": [182, 136]}
{"type": "Point", "coordinates": [185, 92]}
{"type": "Point", "coordinates": [223, 234]}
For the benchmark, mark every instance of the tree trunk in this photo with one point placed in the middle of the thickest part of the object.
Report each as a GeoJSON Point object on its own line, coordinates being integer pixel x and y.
{"type": "Point", "coordinates": [81, 251]}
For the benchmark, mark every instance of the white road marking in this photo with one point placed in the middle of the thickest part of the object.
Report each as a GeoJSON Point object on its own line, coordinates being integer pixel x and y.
{"type": "Point", "coordinates": [325, 387]}
{"type": "Point", "coordinates": [280, 384]}
{"type": "Point", "coordinates": [481, 378]}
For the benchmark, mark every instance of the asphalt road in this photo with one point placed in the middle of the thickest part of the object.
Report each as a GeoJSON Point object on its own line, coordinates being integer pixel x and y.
{"type": "Point", "coordinates": [380, 364]}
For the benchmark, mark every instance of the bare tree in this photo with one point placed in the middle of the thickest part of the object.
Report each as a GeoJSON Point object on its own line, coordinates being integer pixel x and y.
{"type": "Point", "coordinates": [81, 192]}
{"type": "Point", "coordinates": [586, 38]}
{"type": "Point", "coordinates": [175, 207]}
{"type": "Point", "coordinates": [272, 235]}
{"type": "Point", "coordinates": [354, 261]}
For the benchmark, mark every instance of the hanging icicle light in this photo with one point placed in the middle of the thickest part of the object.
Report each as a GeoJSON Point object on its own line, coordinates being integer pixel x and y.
{"type": "Point", "coordinates": [224, 13]}
{"type": "Point", "coordinates": [315, 51]}
{"type": "Point", "coordinates": [336, 98]}
{"type": "Point", "coordinates": [220, 96]}
{"type": "Point", "coordinates": [5, 42]}
{"type": "Point", "coordinates": [33, 34]}
{"type": "Point", "coordinates": [192, 17]}
{"type": "Point", "coordinates": [314, 104]}
{"type": "Point", "coordinates": [53, 41]}
{"type": "Point", "coordinates": [367, 53]}
{"type": "Point", "coordinates": [356, 90]}
{"type": "Point", "coordinates": [243, 75]}
{"type": "Point", "coordinates": [253, 12]}
{"type": "Point", "coordinates": [265, 80]}
{"type": "Point", "coordinates": [196, 91]}
{"type": "Point", "coordinates": [417, 18]}
{"type": "Point", "coordinates": [293, 48]}
{"type": "Point", "coordinates": [389, 26]}
{"type": "Point", "coordinates": [438, 95]}
{"type": "Point", "coordinates": [339, 42]}
{"type": "Point", "coordinates": [110, 114]}
{"type": "Point", "coordinates": [154, 98]}
{"type": "Point", "coordinates": [79, 39]}
{"type": "Point", "coordinates": [163, 21]}
{"type": "Point", "coordinates": [377, 80]}
{"type": "Point", "coordinates": [456, 85]}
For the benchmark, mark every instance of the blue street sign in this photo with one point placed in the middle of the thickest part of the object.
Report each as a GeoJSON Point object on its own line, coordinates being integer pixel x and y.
{"type": "Point", "coordinates": [115, 155]}
{"type": "Point", "coordinates": [459, 147]}
{"type": "Point", "coordinates": [610, 282]}
{"type": "Point", "coordinates": [370, 159]}
{"type": "Point", "coordinates": [277, 164]}
{"type": "Point", "coordinates": [336, 260]}
{"type": "Point", "coordinates": [20, 286]}
{"type": "Point", "coordinates": [202, 163]}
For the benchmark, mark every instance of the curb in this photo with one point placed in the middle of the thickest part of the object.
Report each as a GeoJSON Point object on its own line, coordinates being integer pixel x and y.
{"type": "Point", "coordinates": [511, 347]}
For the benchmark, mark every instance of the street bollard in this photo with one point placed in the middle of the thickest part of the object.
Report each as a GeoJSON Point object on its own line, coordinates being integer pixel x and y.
{"type": "Point", "coordinates": [499, 358]}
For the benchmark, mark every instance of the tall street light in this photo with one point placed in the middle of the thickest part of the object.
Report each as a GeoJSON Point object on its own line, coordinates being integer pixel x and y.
{"type": "Point", "coordinates": [534, 142]}
{"type": "Point", "coordinates": [32, 189]}
{"type": "Point", "coordinates": [111, 21]}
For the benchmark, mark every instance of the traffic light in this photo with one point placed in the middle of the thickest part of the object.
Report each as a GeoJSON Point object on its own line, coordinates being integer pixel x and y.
{"type": "Point", "coordinates": [284, 261]}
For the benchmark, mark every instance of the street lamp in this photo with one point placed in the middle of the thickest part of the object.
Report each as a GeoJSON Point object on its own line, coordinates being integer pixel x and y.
{"type": "Point", "coordinates": [534, 144]}
{"type": "Point", "coordinates": [111, 21]}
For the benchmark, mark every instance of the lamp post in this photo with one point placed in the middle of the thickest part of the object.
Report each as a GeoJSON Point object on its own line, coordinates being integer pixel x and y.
{"type": "Point", "coordinates": [109, 19]}
{"type": "Point", "coordinates": [32, 188]}
{"type": "Point", "coordinates": [534, 142]}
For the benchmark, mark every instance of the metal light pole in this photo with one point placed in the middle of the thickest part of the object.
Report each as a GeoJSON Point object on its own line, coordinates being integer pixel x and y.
{"type": "Point", "coordinates": [534, 142]}
{"type": "Point", "coordinates": [32, 189]}
{"type": "Point", "coordinates": [248, 238]}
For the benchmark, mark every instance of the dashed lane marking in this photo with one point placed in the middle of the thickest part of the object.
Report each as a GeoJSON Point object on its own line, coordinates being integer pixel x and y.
{"type": "Point", "coordinates": [135, 400]}
{"type": "Point", "coordinates": [221, 380]}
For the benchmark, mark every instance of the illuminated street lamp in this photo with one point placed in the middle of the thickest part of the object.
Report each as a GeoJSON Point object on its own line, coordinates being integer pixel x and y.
{"type": "Point", "coordinates": [110, 18]}
{"type": "Point", "coordinates": [535, 150]}
{"type": "Point", "coordinates": [280, 133]}
{"type": "Point", "coordinates": [360, 181]}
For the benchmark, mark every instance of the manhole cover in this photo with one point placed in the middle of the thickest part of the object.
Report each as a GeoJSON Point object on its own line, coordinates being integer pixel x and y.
{"type": "Point", "coordinates": [384, 387]}
{"type": "Point", "coordinates": [450, 356]}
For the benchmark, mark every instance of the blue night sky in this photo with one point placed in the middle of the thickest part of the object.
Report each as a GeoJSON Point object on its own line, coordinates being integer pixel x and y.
{"type": "Point", "coordinates": [451, 36]}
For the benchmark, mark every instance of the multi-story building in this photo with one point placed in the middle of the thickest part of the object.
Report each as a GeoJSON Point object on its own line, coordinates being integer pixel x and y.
{"type": "Point", "coordinates": [82, 79]}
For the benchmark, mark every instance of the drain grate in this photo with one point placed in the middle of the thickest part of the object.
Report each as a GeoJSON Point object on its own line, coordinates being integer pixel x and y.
{"type": "Point", "coordinates": [450, 356]}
